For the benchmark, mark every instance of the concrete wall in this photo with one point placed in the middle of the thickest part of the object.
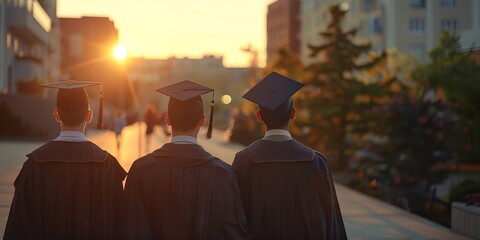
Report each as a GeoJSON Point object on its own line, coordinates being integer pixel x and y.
{"type": "Point", "coordinates": [36, 113]}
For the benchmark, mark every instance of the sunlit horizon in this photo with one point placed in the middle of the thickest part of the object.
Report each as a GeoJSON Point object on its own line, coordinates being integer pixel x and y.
{"type": "Point", "coordinates": [184, 28]}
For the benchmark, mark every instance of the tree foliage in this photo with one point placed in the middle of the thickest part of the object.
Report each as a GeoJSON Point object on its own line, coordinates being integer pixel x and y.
{"type": "Point", "coordinates": [454, 76]}
{"type": "Point", "coordinates": [336, 102]}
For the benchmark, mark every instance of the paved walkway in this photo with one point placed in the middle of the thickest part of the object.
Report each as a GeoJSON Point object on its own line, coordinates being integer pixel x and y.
{"type": "Point", "coordinates": [365, 217]}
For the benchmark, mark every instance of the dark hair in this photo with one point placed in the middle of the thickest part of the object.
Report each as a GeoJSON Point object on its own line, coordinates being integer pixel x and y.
{"type": "Point", "coordinates": [278, 117]}
{"type": "Point", "coordinates": [184, 115]}
{"type": "Point", "coordinates": [73, 119]}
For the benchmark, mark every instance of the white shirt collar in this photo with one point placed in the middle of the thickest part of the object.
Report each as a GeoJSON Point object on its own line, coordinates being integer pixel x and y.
{"type": "Point", "coordinates": [280, 132]}
{"type": "Point", "coordinates": [71, 136]}
{"type": "Point", "coordinates": [184, 139]}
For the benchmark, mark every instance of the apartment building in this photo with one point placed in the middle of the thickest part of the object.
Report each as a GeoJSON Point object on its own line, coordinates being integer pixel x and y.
{"type": "Point", "coordinates": [417, 31]}
{"type": "Point", "coordinates": [29, 45]}
{"type": "Point", "coordinates": [412, 26]}
{"type": "Point", "coordinates": [2, 47]}
{"type": "Point", "coordinates": [283, 27]}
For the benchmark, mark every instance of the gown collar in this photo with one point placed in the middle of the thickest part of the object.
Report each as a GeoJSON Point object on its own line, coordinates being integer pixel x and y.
{"type": "Point", "coordinates": [184, 139]}
{"type": "Point", "coordinates": [71, 136]}
{"type": "Point", "coordinates": [277, 135]}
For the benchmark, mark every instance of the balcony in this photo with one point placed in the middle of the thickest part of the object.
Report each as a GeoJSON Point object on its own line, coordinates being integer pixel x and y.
{"type": "Point", "coordinates": [28, 19]}
{"type": "Point", "coordinates": [27, 68]}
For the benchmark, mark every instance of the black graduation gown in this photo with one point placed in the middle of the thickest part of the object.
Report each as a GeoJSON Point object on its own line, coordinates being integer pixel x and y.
{"type": "Point", "coordinates": [287, 192]}
{"type": "Point", "coordinates": [66, 190]}
{"type": "Point", "coordinates": [180, 191]}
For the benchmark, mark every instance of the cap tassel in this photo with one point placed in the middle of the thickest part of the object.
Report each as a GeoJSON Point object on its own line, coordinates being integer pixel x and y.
{"type": "Point", "coordinates": [100, 111]}
{"type": "Point", "coordinates": [210, 123]}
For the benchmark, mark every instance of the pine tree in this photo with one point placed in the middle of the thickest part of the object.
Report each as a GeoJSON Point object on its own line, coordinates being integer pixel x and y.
{"type": "Point", "coordinates": [286, 63]}
{"type": "Point", "coordinates": [336, 102]}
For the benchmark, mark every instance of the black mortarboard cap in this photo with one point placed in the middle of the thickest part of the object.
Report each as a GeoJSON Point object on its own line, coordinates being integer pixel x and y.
{"type": "Point", "coordinates": [187, 90]}
{"type": "Point", "coordinates": [273, 90]}
{"type": "Point", "coordinates": [73, 97]}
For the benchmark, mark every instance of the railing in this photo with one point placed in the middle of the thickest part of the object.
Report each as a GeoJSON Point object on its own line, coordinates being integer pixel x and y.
{"type": "Point", "coordinates": [466, 219]}
{"type": "Point", "coordinates": [41, 16]}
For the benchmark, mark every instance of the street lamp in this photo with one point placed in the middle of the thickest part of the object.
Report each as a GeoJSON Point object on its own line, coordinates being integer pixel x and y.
{"type": "Point", "coordinates": [226, 99]}
{"type": "Point", "coordinates": [344, 6]}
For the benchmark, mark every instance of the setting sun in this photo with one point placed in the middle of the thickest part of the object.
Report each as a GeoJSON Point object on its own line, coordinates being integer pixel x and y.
{"type": "Point", "coordinates": [120, 52]}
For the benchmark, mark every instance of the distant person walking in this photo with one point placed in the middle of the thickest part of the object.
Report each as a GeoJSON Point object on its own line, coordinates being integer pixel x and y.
{"type": "Point", "coordinates": [119, 122]}
{"type": "Point", "coordinates": [287, 188]}
{"type": "Point", "coordinates": [150, 119]}
{"type": "Point", "coordinates": [180, 191]}
{"type": "Point", "coordinates": [69, 188]}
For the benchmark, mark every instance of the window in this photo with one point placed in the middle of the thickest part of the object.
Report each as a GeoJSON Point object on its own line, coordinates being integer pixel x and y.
{"type": "Point", "coordinates": [449, 24]}
{"type": "Point", "coordinates": [417, 3]}
{"type": "Point", "coordinates": [419, 50]}
{"type": "Point", "coordinates": [9, 40]}
{"type": "Point", "coordinates": [368, 5]}
{"type": "Point", "coordinates": [449, 4]}
{"type": "Point", "coordinates": [417, 26]}
{"type": "Point", "coordinates": [16, 45]}
{"type": "Point", "coordinates": [375, 26]}
{"type": "Point", "coordinates": [41, 16]}
{"type": "Point", "coordinates": [75, 45]}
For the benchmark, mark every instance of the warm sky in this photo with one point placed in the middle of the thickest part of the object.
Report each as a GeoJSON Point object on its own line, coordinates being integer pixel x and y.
{"type": "Point", "coordinates": [182, 28]}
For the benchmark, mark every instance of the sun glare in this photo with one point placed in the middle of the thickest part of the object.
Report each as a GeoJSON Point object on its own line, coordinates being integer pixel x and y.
{"type": "Point", "coordinates": [120, 52]}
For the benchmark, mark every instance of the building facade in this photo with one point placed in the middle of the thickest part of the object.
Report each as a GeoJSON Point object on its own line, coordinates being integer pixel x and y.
{"type": "Point", "coordinates": [30, 43]}
{"type": "Point", "coordinates": [3, 46]}
{"type": "Point", "coordinates": [412, 27]}
{"type": "Point", "coordinates": [470, 37]}
{"type": "Point", "coordinates": [283, 27]}
{"type": "Point", "coordinates": [87, 45]}
{"type": "Point", "coordinates": [417, 31]}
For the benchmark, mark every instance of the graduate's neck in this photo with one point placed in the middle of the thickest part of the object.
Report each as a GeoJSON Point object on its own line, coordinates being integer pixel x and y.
{"type": "Point", "coordinates": [192, 133]}
{"type": "Point", "coordinates": [80, 128]}
{"type": "Point", "coordinates": [286, 127]}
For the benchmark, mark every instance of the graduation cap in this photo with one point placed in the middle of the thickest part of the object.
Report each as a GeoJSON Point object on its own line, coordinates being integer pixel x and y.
{"type": "Point", "coordinates": [184, 96]}
{"type": "Point", "coordinates": [72, 97]}
{"type": "Point", "coordinates": [272, 91]}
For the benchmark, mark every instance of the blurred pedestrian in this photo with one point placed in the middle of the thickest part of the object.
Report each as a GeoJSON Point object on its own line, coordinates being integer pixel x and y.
{"type": "Point", "coordinates": [150, 119]}
{"type": "Point", "coordinates": [286, 187]}
{"type": "Point", "coordinates": [69, 188]}
{"type": "Point", "coordinates": [180, 191]}
{"type": "Point", "coordinates": [119, 122]}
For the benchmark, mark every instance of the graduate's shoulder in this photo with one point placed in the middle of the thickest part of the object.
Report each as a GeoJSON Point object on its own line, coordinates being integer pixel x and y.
{"type": "Point", "coordinates": [143, 161]}
{"type": "Point", "coordinates": [61, 151]}
{"type": "Point", "coordinates": [152, 159]}
{"type": "Point", "coordinates": [220, 164]}
{"type": "Point", "coordinates": [322, 158]}
{"type": "Point", "coordinates": [243, 154]}
{"type": "Point", "coordinates": [266, 151]}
